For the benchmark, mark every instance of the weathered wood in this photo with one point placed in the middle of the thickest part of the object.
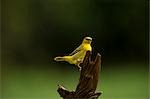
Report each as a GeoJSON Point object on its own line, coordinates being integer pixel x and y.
{"type": "Point", "coordinates": [88, 80]}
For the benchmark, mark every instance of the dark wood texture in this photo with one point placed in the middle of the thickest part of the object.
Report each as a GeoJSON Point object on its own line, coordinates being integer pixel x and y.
{"type": "Point", "coordinates": [88, 80]}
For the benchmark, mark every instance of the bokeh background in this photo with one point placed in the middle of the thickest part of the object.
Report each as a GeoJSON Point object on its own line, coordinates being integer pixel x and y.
{"type": "Point", "coordinates": [35, 31]}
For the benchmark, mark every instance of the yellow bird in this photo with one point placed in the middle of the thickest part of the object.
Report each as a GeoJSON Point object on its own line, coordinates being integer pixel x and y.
{"type": "Point", "coordinates": [77, 56]}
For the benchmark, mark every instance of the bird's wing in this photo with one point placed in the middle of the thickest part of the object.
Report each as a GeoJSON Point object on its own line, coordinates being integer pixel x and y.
{"type": "Point", "coordinates": [76, 50]}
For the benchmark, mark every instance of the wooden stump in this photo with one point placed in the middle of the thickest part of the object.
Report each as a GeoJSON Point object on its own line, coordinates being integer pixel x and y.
{"type": "Point", "coordinates": [88, 80]}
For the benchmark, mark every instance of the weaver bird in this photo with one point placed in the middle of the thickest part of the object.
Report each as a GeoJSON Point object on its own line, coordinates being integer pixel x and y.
{"type": "Point", "coordinates": [77, 56]}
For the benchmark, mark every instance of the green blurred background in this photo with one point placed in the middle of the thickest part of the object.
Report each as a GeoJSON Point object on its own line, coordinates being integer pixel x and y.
{"type": "Point", "coordinates": [35, 31]}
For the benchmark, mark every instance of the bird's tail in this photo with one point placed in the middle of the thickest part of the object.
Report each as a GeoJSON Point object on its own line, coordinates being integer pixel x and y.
{"type": "Point", "coordinates": [59, 58]}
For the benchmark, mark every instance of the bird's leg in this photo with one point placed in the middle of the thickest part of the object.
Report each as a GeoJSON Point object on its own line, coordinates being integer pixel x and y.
{"type": "Point", "coordinates": [79, 67]}
{"type": "Point", "coordinates": [78, 64]}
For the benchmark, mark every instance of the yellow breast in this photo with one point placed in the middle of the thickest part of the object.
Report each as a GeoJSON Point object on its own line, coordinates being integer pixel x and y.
{"type": "Point", "coordinates": [87, 47]}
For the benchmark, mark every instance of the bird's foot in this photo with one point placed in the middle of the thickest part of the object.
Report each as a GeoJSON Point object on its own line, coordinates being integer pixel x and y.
{"type": "Point", "coordinates": [79, 67]}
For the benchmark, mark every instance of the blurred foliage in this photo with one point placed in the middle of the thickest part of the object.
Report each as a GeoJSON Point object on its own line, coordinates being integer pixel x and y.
{"type": "Point", "coordinates": [124, 82]}
{"type": "Point", "coordinates": [35, 29]}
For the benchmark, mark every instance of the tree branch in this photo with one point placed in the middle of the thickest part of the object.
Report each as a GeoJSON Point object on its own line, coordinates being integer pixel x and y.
{"type": "Point", "coordinates": [88, 80]}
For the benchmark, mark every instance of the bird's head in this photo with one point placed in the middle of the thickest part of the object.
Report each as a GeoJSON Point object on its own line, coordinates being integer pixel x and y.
{"type": "Point", "coordinates": [87, 40]}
